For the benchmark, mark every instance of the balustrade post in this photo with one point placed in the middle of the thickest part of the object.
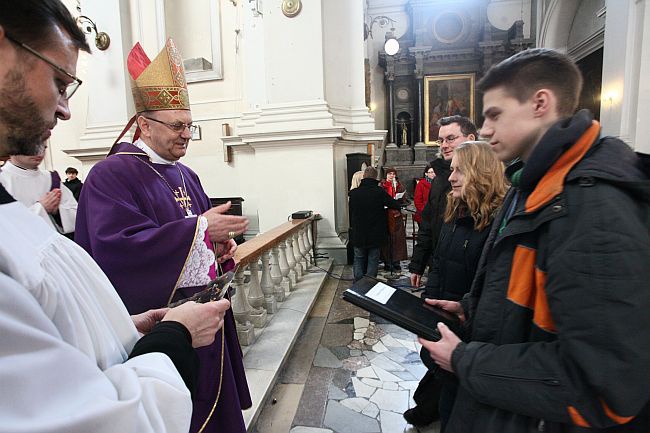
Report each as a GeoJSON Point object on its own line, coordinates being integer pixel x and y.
{"type": "Point", "coordinates": [303, 250]}
{"type": "Point", "coordinates": [276, 274]}
{"type": "Point", "coordinates": [256, 297]}
{"type": "Point", "coordinates": [310, 241]}
{"type": "Point", "coordinates": [297, 256]}
{"type": "Point", "coordinates": [270, 304]}
{"type": "Point", "coordinates": [305, 240]}
{"type": "Point", "coordinates": [284, 268]}
{"type": "Point", "coordinates": [291, 260]}
{"type": "Point", "coordinates": [241, 310]}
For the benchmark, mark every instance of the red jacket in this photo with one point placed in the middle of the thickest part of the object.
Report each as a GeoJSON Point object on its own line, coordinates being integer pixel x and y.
{"type": "Point", "coordinates": [388, 187]}
{"type": "Point", "coordinates": [421, 196]}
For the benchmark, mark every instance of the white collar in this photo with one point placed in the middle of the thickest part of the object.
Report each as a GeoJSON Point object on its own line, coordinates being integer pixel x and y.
{"type": "Point", "coordinates": [153, 156]}
{"type": "Point", "coordinates": [20, 171]}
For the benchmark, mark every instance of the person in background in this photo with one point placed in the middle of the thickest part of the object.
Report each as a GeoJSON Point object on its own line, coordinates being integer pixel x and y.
{"type": "Point", "coordinates": [478, 186]}
{"type": "Point", "coordinates": [557, 318]}
{"type": "Point", "coordinates": [73, 183]}
{"type": "Point", "coordinates": [422, 192]}
{"type": "Point", "coordinates": [368, 223]}
{"type": "Point", "coordinates": [454, 130]}
{"type": "Point", "coordinates": [395, 251]}
{"type": "Point", "coordinates": [72, 360]}
{"type": "Point", "coordinates": [40, 191]}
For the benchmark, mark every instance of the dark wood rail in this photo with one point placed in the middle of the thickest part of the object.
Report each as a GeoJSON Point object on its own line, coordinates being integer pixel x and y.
{"type": "Point", "coordinates": [253, 248]}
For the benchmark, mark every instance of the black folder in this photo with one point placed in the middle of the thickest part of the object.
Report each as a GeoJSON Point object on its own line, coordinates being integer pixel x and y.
{"type": "Point", "coordinates": [403, 309]}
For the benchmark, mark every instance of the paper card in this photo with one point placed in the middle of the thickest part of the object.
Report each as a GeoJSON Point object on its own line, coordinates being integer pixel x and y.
{"type": "Point", "coordinates": [399, 195]}
{"type": "Point", "coordinates": [380, 293]}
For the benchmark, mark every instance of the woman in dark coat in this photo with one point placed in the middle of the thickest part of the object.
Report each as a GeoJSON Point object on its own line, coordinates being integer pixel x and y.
{"type": "Point", "coordinates": [478, 186]}
{"type": "Point", "coordinates": [395, 251]}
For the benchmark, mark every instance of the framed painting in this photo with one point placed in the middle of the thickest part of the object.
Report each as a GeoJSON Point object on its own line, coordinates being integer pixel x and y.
{"type": "Point", "coordinates": [446, 95]}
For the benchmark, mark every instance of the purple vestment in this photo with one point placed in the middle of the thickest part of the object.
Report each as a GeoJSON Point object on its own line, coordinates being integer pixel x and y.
{"type": "Point", "coordinates": [129, 221]}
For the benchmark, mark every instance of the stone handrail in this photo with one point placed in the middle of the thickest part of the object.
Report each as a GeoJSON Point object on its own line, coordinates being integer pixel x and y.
{"type": "Point", "coordinates": [253, 248]}
{"type": "Point", "coordinates": [285, 253]}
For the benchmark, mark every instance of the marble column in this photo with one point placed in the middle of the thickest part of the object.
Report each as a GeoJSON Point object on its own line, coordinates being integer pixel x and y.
{"type": "Point", "coordinates": [291, 260]}
{"type": "Point", "coordinates": [284, 268]}
{"type": "Point", "coordinates": [256, 297]}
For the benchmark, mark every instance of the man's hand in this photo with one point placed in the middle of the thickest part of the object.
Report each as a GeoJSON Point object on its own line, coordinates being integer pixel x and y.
{"type": "Point", "coordinates": [441, 351]}
{"type": "Point", "coordinates": [221, 226]}
{"type": "Point", "coordinates": [202, 320]}
{"type": "Point", "coordinates": [50, 201]}
{"type": "Point", "coordinates": [450, 306]}
{"type": "Point", "coordinates": [415, 280]}
{"type": "Point", "coordinates": [226, 250]}
{"type": "Point", "coordinates": [144, 322]}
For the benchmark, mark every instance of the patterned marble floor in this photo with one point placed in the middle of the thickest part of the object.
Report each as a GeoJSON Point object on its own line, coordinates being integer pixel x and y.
{"type": "Point", "coordinates": [349, 372]}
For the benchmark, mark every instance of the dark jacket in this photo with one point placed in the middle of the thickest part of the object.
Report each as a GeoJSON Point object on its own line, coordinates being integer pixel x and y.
{"type": "Point", "coordinates": [432, 217]}
{"type": "Point", "coordinates": [74, 186]}
{"type": "Point", "coordinates": [455, 260]}
{"type": "Point", "coordinates": [368, 216]}
{"type": "Point", "coordinates": [558, 311]}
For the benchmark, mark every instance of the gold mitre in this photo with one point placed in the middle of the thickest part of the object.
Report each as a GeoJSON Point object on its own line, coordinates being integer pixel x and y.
{"type": "Point", "coordinates": [158, 85]}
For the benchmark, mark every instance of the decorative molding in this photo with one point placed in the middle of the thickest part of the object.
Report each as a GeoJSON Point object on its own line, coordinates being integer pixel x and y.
{"type": "Point", "coordinates": [588, 45]}
{"type": "Point", "coordinates": [92, 154]}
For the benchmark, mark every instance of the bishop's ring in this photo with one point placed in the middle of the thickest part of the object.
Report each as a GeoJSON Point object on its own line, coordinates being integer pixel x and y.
{"type": "Point", "coordinates": [231, 235]}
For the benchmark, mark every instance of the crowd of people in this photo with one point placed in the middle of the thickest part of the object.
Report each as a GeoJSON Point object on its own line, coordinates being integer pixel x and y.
{"type": "Point", "coordinates": [536, 238]}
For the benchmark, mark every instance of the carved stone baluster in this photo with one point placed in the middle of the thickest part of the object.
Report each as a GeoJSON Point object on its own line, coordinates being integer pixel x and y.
{"type": "Point", "coordinates": [242, 309]}
{"type": "Point", "coordinates": [310, 241]}
{"type": "Point", "coordinates": [276, 274]}
{"type": "Point", "coordinates": [303, 250]}
{"type": "Point", "coordinates": [284, 268]}
{"type": "Point", "coordinates": [266, 284]}
{"type": "Point", "coordinates": [256, 297]}
{"type": "Point", "coordinates": [305, 240]}
{"type": "Point", "coordinates": [297, 256]}
{"type": "Point", "coordinates": [291, 260]}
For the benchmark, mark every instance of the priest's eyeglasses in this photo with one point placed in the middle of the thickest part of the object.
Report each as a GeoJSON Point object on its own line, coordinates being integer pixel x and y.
{"type": "Point", "coordinates": [176, 127]}
{"type": "Point", "coordinates": [66, 91]}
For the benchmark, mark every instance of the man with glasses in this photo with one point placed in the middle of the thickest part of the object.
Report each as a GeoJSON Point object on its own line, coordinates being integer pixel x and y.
{"type": "Point", "coordinates": [41, 191]}
{"type": "Point", "coordinates": [146, 220]}
{"type": "Point", "coordinates": [454, 130]}
{"type": "Point", "coordinates": [71, 357]}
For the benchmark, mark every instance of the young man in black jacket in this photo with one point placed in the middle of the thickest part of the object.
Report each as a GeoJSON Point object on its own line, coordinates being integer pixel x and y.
{"type": "Point", "coordinates": [454, 130]}
{"type": "Point", "coordinates": [368, 220]}
{"type": "Point", "coordinates": [558, 324]}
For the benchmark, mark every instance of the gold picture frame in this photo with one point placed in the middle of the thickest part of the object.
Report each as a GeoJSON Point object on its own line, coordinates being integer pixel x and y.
{"type": "Point", "coordinates": [446, 95]}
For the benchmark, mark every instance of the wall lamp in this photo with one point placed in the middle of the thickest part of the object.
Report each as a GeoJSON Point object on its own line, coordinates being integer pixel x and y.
{"type": "Point", "coordinates": [391, 46]}
{"type": "Point", "coordinates": [102, 40]}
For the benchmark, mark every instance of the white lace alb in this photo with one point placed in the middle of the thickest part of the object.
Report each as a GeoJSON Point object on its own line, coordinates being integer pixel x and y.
{"type": "Point", "coordinates": [196, 272]}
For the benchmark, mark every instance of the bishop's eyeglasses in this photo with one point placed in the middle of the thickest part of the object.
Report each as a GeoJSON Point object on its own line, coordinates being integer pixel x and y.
{"type": "Point", "coordinates": [65, 92]}
{"type": "Point", "coordinates": [176, 127]}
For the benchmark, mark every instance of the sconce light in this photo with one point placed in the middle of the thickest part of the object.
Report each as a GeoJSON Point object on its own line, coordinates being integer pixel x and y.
{"type": "Point", "coordinates": [391, 46]}
{"type": "Point", "coordinates": [102, 40]}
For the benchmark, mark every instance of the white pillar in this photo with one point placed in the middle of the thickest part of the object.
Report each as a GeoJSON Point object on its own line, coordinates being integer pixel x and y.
{"type": "Point", "coordinates": [291, 260]}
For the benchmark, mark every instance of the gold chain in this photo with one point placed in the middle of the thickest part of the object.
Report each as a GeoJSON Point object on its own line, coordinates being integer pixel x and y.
{"type": "Point", "coordinates": [223, 339]}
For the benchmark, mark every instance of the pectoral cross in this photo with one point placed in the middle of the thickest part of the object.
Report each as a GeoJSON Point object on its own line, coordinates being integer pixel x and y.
{"type": "Point", "coordinates": [184, 201]}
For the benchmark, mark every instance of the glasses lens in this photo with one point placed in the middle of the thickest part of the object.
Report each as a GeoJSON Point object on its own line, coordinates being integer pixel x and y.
{"type": "Point", "coordinates": [192, 128]}
{"type": "Point", "coordinates": [71, 89]}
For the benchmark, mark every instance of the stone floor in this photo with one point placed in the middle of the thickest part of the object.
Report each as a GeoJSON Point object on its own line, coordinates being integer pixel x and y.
{"type": "Point", "coordinates": [349, 371]}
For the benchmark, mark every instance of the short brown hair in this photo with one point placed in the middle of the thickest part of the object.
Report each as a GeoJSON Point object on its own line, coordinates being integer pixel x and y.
{"type": "Point", "coordinates": [526, 72]}
{"type": "Point", "coordinates": [370, 173]}
{"type": "Point", "coordinates": [32, 22]}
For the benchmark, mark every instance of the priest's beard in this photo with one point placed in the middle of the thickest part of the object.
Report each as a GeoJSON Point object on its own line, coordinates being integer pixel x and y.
{"type": "Point", "coordinates": [23, 127]}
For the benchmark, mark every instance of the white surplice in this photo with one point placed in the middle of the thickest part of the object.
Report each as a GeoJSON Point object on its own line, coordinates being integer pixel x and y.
{"type": "Point", "coordinates": [65, 336]}
{"type": "Point", "coordinates": [29, 186]}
